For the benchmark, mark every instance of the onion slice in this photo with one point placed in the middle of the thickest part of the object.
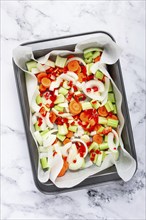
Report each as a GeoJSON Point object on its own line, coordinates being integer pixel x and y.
{"type": "Point", "coordinates": [113, 146]}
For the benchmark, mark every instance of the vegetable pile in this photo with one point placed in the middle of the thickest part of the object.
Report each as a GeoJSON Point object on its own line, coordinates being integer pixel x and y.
{"type": "Point", "coordinates": [74, 113]}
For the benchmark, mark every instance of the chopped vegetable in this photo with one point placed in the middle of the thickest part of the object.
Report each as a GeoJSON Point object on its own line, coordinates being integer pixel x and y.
{"type": "Point", "coordinates": [102, 111]}
{"type": "Point", "coordinates": [64, 169]}
{"type": "Point", "coordinates": [98, 139]}
{"type": "Point", "coordinates": [75, 107]}
{"type": "Point", "coordinates": [46, 82]}
{"type": "Point", "coordinates": [73, 65]}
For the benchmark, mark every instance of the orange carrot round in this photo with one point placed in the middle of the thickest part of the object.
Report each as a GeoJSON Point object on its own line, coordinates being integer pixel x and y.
{"type": "Point", "coordinates": [46, 82]}
{"type": "Point", "coordinates": [98, 139]}
{"type": "Point", "coordinates": [97, 127]}
{"type": "Point", "coordinates": [80, 77]}
{"type": "Point", "coordinates": [67, 140]}
{"type": "Point", "coordinates": [42, 88]}
{"type": "Point", "coordinates": [78, 70]}
{"type": "Point", "coordinates": [69, 134]}
{"type": "Point", "coordinates": [41, 75]}
{"type": "Point", "coordinates": [102, 111]}
{"type": "Point", "coordinates": [84, 117]}
{"type": "Point", "coordinates": [97, 59]}
{"type": "Point", "coordinates": [64, 169]}
{"type": "Point", "coordinates": [52, 117]}
{"type": "Point", "coordinates": [92, 122]}
{"type": "Point", "coordinates": [75, 107]}
{"type": "Point", "coordinates": [73, 65]}
{"type": "Point", "coordinates": [113, 117]}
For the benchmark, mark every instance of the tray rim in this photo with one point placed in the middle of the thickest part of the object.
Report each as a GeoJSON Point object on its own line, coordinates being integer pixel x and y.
{"type": "Point", "coordinates": [133, 149]}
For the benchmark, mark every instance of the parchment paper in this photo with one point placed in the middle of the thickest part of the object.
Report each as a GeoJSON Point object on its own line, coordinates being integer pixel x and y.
{"type": "Point", "coordinates": [126, 165]}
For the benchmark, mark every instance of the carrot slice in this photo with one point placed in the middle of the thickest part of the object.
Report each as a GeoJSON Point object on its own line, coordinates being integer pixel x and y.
{"type": "Point", "coordinates": [40, 76]}
{"type": "Point", "coordinates": [84, 117]}
{"type": "Point", "coordinates": [98, 139]}
{"type": "Point", "coordinates": [46, 82]}
{"type": "Point", "coordinates": [69, 134]}
{"type": "Point", "coordinates": [81, 77]}
{"type": "Point", "coordinates": [75, 107]}
{"type": "Point", "coordinates": [78, 70]}
{"type": "Point", "coordinates": [92, 122]}
{"type": "Point", "coordinates": [52, 117]}
{"type": "Point", "coordinates": [64, 169]}
{"type": "Point", "coordinates": [107, 130]}
{"type": "Point", "coordinates": [97, 127]}
{"type": "Point", "coordinates": [102, 111]}
{"type": "Point", "coordinates": [42, 88]}
{"type": "Point", "coordinates": [67, 140]}
{"type": "Point", "coordinates": [113, 117]}
{"type": "Point", "coordinates": [97, 59]}
{"type": "Point", "coordinates": [73, 65]}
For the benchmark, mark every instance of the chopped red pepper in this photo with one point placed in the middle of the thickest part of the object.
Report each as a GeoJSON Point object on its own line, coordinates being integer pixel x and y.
{"type": "Point", "coordinates": [70, 56]}
{"type": "Point", "coordinates": [97, 151]}
{"type": "Point", "coordinates": [95, 88]}
{"type": "Point", "coordinates": [90, 77]}
{"type": "Point", "coordinates": [53, 98]}
{"type": "Point", "coordinates": [65, 69]}
{"type": "Point", "coordinates": [54, 153]}
{"type": "Point", "coordinates": [84, 70]}
{"type": "Point", "coordinates": [43, 111]}
{"type": "Point", "coordinates": [40, 121]}
{"type": "Point", "coordinates": [88, 89]}
{"type": "Point", "coordinates": [70, 83]}
{"type": "Point", "coordinates": [75, 88]}
{"type": "Point", "coordinates": [74, 161]}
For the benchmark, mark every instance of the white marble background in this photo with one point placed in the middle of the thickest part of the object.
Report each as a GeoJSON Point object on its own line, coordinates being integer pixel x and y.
{"type": "Point", "coordinates": [23, 21]}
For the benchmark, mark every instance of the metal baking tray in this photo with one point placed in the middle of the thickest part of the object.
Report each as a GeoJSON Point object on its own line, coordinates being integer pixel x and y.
{"type": "Point", "coordinates": [40, 48]}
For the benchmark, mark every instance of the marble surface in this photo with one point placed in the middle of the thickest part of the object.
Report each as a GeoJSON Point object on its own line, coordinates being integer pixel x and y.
{"type": "Point", "coordinates": [23, 21]}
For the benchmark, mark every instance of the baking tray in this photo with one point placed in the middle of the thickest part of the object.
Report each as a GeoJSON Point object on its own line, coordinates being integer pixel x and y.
{"type": "Point", "coordinates": [40, 48]}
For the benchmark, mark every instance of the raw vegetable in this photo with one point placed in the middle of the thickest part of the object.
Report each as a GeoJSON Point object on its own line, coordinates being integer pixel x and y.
{"type": "Point", "coordinates": [73, 65]}
{"type": "Point", "coordinates": [102, 111]}
{"type": "Point", "coordinates": [60, 137]}
{"type": "Point", "coordinates": [103, 146]}
{"type": "Point", "coordinates": [98, 139]}
{"type": "Point", "coordinates": [63, 91]}
{"type": "Point", "coordinates": [44, 163]}
{"type": "Point", "coordinates": [99, 74]}
{"type": "Point", "coordinates": [31, 64]}
{"type": "Point", "coordinates": [75, 107]}
{"type": "Point", "coordinates": [40, 76]}
{"type": "Point", "coordinates": [60, 99]}
{"type": "Point", "coordinates": [86, 105]}
{"type": "Point", "coordinates": [73, 128]}
{"type": "Point", "coordinates": [112, 122]}
{"type": "Point", "coordinates": [102, 120]}
{"type": "Point", "coordinates": [62, 129]}
{"type": "Point", "coordinates": [45, 82]}
{"type": "Point", "coordinates": [64, 168]}
{"type": "Point", "coordinates": [60, 61]}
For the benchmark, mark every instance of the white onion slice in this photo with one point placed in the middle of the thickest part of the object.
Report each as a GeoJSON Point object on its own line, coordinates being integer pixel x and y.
{"type": "Point", "coordinates": [48, 122]}
{"type": "Point", "coordinates": [72, 153]}
{"type": "Point", "coordinates": [72, 74]}
{"type": "Point", "coordinates": [49, 141]}
{"type": "Point", "coordinates": [97, 95]}
{"type": "Point", "coordinates": [55, 84]}
{"type": "Point", "coordinates": [65, 148]}
{"type": "Point", "coordinates": [66, 77]}
{"type": "Point", "coordinates": [113, 146]}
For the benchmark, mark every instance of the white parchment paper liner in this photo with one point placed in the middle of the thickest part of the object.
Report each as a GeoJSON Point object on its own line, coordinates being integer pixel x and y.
{"type": "Point", "coordinates": [126, 165]}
